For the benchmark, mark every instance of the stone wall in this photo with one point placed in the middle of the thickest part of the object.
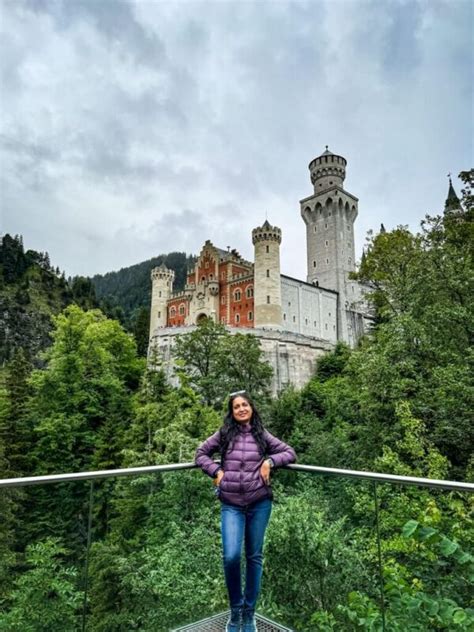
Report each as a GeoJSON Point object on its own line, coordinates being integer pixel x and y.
{"type": "Point", "coordinates": [292, 356]}
{"type": "Point", "coordinates": [308, 310]}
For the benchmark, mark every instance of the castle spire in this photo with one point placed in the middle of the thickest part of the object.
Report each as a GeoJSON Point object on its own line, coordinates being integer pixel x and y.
{"type": "Point", "coordinates": [452, 201]}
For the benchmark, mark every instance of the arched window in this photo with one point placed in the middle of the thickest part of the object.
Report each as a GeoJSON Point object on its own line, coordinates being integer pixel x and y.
{"type": "Point", "coordinates": [159, 294]}
{"type": "Point", "coordinates": [267, 249]}
{"type": "Point", "coordinates": [250, 316]}
{"type": "Point", "coordinates": [249, 291]}
{"type": "Point", "coordinates": [268, 274]}
{"type": "Point", "coordinates": [237, 319]}
{"type": "Point", "coordinates": [237, 295]}
{"type": "Point", "coordinates": [181, 309]}
{"type": "Point", "coordinates": [173, 311]}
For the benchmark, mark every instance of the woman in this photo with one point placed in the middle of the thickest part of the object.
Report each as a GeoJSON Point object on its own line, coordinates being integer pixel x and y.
{"type": "Point", "coordinates": [248, 454]}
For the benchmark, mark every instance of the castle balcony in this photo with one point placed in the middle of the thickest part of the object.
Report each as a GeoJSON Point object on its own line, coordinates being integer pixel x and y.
{"type": "Point", "coordinates": [139, 549]}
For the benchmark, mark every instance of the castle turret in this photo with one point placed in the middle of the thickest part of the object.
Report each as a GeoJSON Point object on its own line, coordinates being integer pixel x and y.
{"type": "Point", "coordinates": [162, 286]}
{"type": "Point", "coordinates": [267, 284]}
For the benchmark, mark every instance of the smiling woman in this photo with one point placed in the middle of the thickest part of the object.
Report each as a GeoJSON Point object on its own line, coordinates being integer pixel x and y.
{"type": "Point", "coordinates": [248, 454]}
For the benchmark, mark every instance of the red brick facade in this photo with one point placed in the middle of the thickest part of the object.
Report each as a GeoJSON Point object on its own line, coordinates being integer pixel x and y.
{"type": "Point", "coordinates": [235, 289]}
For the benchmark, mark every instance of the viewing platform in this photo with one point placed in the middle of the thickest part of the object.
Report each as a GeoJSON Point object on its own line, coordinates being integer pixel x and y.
{"type": "Point", "coordinates": [197, 602]}
{"type": "Point", "coordinates": [217, 624]}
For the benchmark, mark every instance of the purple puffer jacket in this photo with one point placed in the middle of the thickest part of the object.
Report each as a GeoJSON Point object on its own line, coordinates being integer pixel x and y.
{"type": "Point", "coordinates": [242, 482]}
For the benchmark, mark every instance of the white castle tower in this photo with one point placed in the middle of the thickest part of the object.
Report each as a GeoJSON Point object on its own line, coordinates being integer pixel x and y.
{"type": "Point", "coordinates": [267, 282]}
{"type": "Point", "coordinates": [329, 215]}
{"type": "Point", "coordinates": [162, 285]}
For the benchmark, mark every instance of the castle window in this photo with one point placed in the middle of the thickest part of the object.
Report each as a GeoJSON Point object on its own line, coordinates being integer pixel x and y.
{"type": "Point", "coordinates": [250, 316]}
{"type": "Point", "coordinates": [314, 264]}
{"type": "Point", "coordinates": [267, 248]}
{"type": "Point", "coordinates": [237, 295]}
{"type": "Point", "coordinates": [203, 278]}
{"type": "Point", "coordinates": [284, 316]}
{"type": "Point", "coordinates": [249, 291]}
{"type": "Point", "coordinates": [173, 311]}
{"type": "Point", "coordinates": [305, 321]}
{"type": "Point", "coordinates": [268, 274]}
{"type": "Point", "coordinates": [289, 303]}
{"type": "Point", "coordinates": [326, 326]}
{"type": "Point", "coordinates": [315, 229]}
{"type": "Point", "coordinates": [325, 225]}
{"type": "Point", "coordinates": [330, 213]}
{"type": "Point", "coordinates": [181, 309]}
{"type": "Point", "coordinates": [327, 243]}
{"type": "Point", "coordinates": [315, 323]}
{"type": "Point", "coordinates": [352, 288]}
{"type": "Point", "coordinates": [206, 265]}
{"type": "Point", "coordinates": [159, 294]}
{"type": "Point", "coordinates": [294, 319]}
{"type": "Point", "coordinates": [334, 327]}
{"type": "Point", "coordinates": [237, 319]}
{"type": "Point", "coordinates": [211, 277]}
{"type": "Point", "coordinates": [268, 300]}
{"type": "Point", "coordinates": [327, 260]}
{"type": "Point", "coordinates": [159, 314]}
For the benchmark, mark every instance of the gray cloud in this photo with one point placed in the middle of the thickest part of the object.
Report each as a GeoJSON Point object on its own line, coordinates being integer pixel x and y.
{"type": "Point", "coordinates": [133, 128]}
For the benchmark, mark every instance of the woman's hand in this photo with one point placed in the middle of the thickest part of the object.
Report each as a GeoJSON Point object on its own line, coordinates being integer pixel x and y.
{"type": "Point", "coordinates": [218, 478]}
{"type": "Point", "coordinates": [265, 471]}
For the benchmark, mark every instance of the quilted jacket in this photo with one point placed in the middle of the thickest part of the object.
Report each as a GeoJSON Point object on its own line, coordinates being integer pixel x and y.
{"type": "Point", "coordinates": [242, 482]}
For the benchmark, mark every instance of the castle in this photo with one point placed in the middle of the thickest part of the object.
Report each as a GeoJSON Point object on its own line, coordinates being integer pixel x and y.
{"type": "Point", "coordinates": [296, 321]}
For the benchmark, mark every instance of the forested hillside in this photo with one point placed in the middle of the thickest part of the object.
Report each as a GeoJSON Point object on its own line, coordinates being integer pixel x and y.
{"type": "Point", "coordinates": [30, 291]}
{"type": "Point", "coordinates": [400, 403]}
{"type": "Point", "coordinates": [129, 289]}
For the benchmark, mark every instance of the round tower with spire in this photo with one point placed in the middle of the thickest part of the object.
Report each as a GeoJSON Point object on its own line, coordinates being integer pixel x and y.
{"type": "Point", "coordinates": [162, 286]}
{"type": "Point", "coordinates": [267, 283]}
{"type": "Point", "coordinates": [452, 204]}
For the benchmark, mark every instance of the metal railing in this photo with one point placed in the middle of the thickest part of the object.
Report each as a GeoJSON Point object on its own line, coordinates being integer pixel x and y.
{"type": "Point", "coordinates": [375, 478]}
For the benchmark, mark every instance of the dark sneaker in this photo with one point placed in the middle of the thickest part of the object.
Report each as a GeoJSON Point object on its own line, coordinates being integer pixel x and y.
{"type": "Point", "coordinates": [233, 624]}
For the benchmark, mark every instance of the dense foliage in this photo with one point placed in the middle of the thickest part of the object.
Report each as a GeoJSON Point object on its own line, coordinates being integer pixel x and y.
{"type": "Point", "coordinates": [401, 403]}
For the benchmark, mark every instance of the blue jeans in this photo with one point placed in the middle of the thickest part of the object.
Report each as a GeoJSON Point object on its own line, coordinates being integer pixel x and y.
{"type": "Point", "coordinates": [237, 523]}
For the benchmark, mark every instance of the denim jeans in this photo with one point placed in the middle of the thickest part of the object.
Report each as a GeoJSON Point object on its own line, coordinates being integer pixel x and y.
{"type": "Point", "coordinates": [238, 524]}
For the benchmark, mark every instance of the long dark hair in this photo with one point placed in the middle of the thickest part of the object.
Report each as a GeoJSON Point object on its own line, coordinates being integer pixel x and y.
{"type": "Point", "coordinates": [230, 427]}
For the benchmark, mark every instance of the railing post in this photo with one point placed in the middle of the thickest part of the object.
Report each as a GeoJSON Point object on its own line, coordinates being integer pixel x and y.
{"type": "Point", "coordinates": [88, 546]}
{"type": "Point", "coordinates": [379, 553]}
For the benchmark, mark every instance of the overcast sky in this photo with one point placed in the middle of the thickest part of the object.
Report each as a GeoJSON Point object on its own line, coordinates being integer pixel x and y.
{"type": "Point", "coordinates": [129, 129]}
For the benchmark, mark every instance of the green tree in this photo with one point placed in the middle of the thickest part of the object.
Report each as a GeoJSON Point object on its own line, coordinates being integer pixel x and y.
{"type": "Point", "coordinates": [217, 362]}
{"type": "Point", "coordinates": [45, 597]}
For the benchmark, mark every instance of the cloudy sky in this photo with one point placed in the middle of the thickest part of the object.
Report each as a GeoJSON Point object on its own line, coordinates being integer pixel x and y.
{"type": "Point", "coordinates": [129, 129]}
